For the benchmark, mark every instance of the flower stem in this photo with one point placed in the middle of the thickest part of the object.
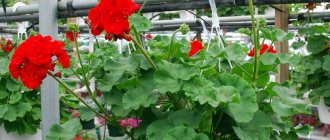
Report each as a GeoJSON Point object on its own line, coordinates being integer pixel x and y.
{"type": "Point", "coordinates": [171, 45]}
{"type": "Point", "coordinates": [86, 82]}
{"type": "Point", "coordinates": [255, 43]}
{"type": "Point", "coordinates": [71, 92]}
{"type": "Point", "coordinates": [144, 53]}
{"type": "Point", "coordinates": [143, 5]}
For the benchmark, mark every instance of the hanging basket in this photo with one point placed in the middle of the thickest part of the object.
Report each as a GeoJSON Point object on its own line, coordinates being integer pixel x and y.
{"type": "Point", "coordinates": [324, 111]}
{"type": "Point", "coordinates": [87, 125]}
{"type": "Point", "coordinates": [114, 132]}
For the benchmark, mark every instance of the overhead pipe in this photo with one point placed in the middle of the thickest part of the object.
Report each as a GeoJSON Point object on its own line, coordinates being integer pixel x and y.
{"type": "Point", "coordinates": [82, 6]}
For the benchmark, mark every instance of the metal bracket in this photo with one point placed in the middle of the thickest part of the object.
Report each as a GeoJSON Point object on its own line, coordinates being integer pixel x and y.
{"type": "Point", "coordinates": [69, 5]}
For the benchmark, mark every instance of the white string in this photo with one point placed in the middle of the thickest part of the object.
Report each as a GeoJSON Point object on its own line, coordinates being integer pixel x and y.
{"type": "Point", "coordinates": [216, 27]}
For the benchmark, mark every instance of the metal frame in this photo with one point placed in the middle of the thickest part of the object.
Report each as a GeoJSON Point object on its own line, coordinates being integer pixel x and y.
{"type": "Point", "coordinates": [47, 11]}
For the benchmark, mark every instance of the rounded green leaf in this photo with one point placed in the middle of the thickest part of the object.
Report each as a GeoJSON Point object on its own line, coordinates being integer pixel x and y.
{"type": "Point", "coordinates": [140, 96]}
{"type": "Point", "coordinates": [241, 111]}
{"type": "Point", "coordinates": [184, 133]}
{"type": "Point", "coordinates": [268, 58]}
{"type": "Point", "coordinates": [4, 65]}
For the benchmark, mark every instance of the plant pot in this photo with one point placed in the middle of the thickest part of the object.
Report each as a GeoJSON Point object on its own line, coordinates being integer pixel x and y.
{"type": "Point", "coordinates": [324, 111]}
{"type": "Point", "coordinates": [114, 132]}
{"type": "Point", "coordinates": [15, 136]}
{"type": "Point", "coordinates": [87, 125]}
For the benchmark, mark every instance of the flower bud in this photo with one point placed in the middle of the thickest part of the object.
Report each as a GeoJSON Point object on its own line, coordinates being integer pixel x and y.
{"type": "Point", "coordinates": [184, 28]}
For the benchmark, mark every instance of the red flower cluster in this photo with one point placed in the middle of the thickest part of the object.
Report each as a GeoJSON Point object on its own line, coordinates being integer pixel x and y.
{"type": "Point", "coordinates": [311, 6]}
{"type": "Point", "coordinates": [111, 16]}
{"type": "Point", "coordinates": [195, 47]}
{"type": "Point", "coordinates": [149, 36]}
{"type": "Point", "coordinates": [6, 45]}
{"type": "Point", "coordinates": [69, 35]}
{"type": "Point", "coordinates": [33, 58]}
{"type": "Point", "coordinates": [263, 49]}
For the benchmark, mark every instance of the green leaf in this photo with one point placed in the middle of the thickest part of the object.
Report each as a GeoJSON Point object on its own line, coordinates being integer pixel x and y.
{"type": "Point", "coordinates": [184, 133]}
{"type": "Point", "coordinates": [297, 45]}
{"type": "Point", "coordinates": [169, 76]}
{"type": "Point", "coordinates": [36, 113]}
{"type": "Point", "coordinates": [316, 43]}
{"type": "Point", "coordinates": [15, 97]}
{"type": "Point", "coordinates": [3, 110]}
{"type": "Point", "coordinates": [12, 85]}
{"type": "Point", "coordinates": [326, 63]}
{"type": "Point", "coordinates": [140, 96]}
{"type": "Point", "coordinates": [85, 113]}
{"type": "Point", "coordinates": [235, 52]}
{"type": "Point", "coordinates": [185, 117]}
{"type": "Point", "coordinates": [268, 58]}
{"type": "Point", "coordinates": [241, 111]}
{"type": "Point", "coordinates": [275, 34]}
{"type": "Point", "coordinates": [4, 65]}
{"type": "Point", "coordinates": [160, 128]}
{"type": "Point", "coordinates": [66, 131]}
{"type": "Point", "coordinates": [16, 110]}
{"type": "Point", "coordinates": [245, 31]}
{"type": "Point", "coordinates": [287, 104]}
{"type": "Point", "coordinates": [202, 90]}
{"type": "Point", "coordinates": [3, 94]}
{"type": "Point", "coordinates": [304, 130]}
{"type": "Point", "coordinates": [109, 80]}
{"type": "Point", "coordinates": [257, 129]}
{"type": "Point", "coordinates": [124, 64]}
{"type": "Point", "coordinates": [141, 23]}
{"type": "Point", "coordinates": [289, 59]}
{"type": "Point", "coordinates": [114, 98]}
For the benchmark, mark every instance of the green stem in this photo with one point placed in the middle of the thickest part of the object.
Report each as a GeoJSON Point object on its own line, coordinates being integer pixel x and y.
{"type": "Point", "coordinates": [86, 82]}
{"type": "Point", "coordinates": [171, 45]}
{"type": "Point", "coordinates": [71, 92]}
{"type": "Point", "coordinates": [239, 66]}
{"type": "Point", "coordinates": [143, 5]}
{"type": "Point", "coordinates": [266, 73]}
{"type": "Point", "coordinates": [143, 51]}
{"type": "Point", "coordinates": [256, 44]}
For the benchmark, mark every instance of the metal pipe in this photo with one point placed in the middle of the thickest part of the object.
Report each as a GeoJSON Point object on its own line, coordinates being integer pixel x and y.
{"type": "Point", "coordinates": [50, 106]}
{"type": "Point", "coordinates": [153, 6]}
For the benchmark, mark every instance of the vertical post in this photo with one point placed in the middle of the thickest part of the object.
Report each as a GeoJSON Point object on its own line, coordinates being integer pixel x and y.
{"type": "Point", "coordinates": [49, 89]}
{"type": "Point", "coordinates": [282, 22]}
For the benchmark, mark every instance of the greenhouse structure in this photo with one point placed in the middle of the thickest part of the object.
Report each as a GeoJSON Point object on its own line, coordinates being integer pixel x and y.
{"type": "Point", "coordinates": [164, 70]}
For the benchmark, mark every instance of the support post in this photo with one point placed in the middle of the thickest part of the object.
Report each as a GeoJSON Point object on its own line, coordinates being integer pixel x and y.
{"type": "Point", "coordinates": [282, 22]}
{"type": "Point", "coordinates": [49, 89]}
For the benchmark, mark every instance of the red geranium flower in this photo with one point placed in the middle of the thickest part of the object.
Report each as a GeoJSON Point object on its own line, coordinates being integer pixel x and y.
{"type": "Point", "coordinates": [111, 16]}
{"type": "Point", "coordinates": [195, 47]}
{"type": "Point", "coordinates": [149, 36]}
{"type": "Point", "coordinates": [311, 6]}
{"type": "Point", "coordinates": [69, 35]}
{"type": "Point", "coordinates": [7, 46]}
{"type": "Point", "coordinates": [263, 49]}
{"type": "Point", "coordinates": [33, 59]}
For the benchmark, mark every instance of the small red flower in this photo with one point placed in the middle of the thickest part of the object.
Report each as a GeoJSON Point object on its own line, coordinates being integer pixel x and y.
{"type": "Point", "coordinates": [149, 36]}
{"type": "Point", "coordinates": [58, 74]}
{"type": "Point", "coordinates": [195, 47]}
{"type": "Point", "coordinates": [311, 6]}
{"type": "Point", "coordinates": [69, 35]}
{"type": "Point", "coordinates": [77, 138]}
{"type": "Point", "coordinates": [33, 59]}
{"type": "Point", "coordinates": [111, 16]}
{"type": "Point", "coordinates": [264, 48]}
{"type": "Point", "coordinates": [6, 45]}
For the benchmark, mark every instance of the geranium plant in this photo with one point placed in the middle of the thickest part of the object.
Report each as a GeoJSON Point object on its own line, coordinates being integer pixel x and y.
{"type": "Point", "coordinates": [180, 89]}
{"type": "Point", "coordinates": [311, 74]}
{"type": "Point", "coordinates": [19, 107]}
